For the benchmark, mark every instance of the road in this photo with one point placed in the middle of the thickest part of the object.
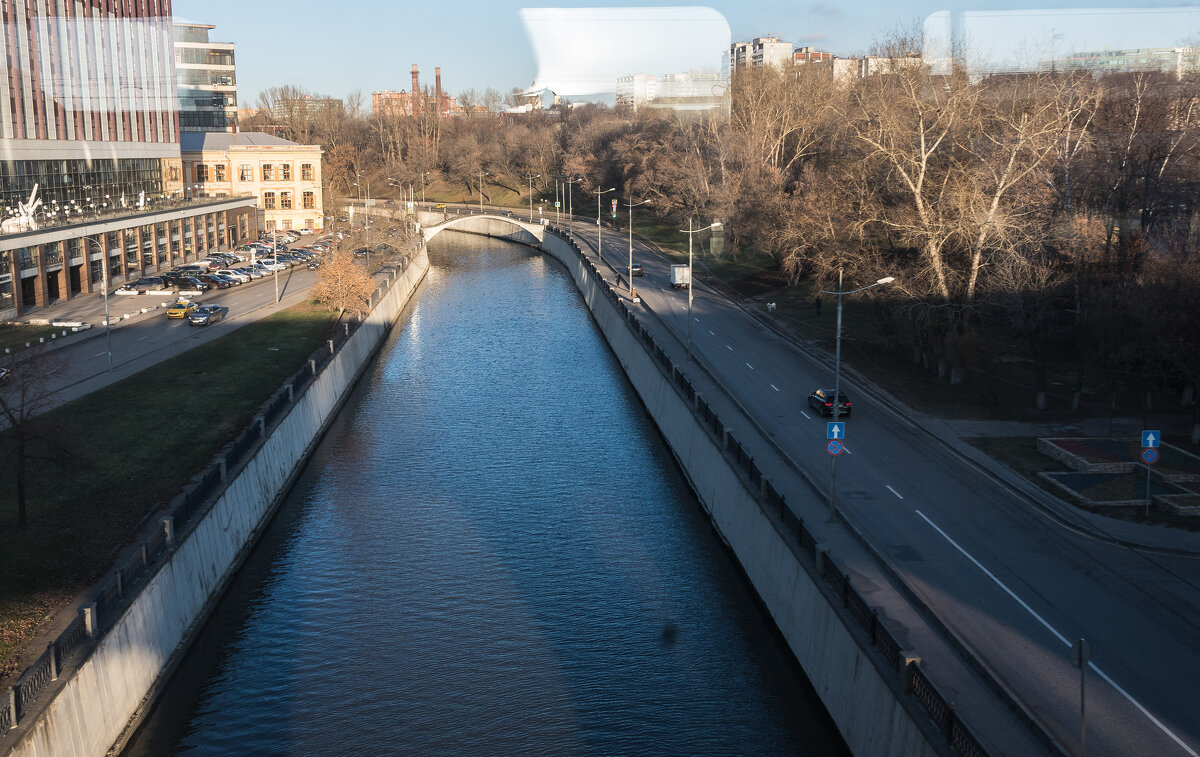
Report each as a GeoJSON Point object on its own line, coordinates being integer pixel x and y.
{"type": "Point", "coordinates": [1013, 584]}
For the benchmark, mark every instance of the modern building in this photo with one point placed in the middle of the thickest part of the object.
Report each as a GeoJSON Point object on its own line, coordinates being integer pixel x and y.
{"type": "Point", "coordinates": [206, 79]}
{"type": "Point", "coordinates": [91, 179]}
{"type": "Point", "coordinates": [284, 176]}
{"type": "Point", "coordinates": [761, 51]}
{"type": "Point", "coordinates": [691, 91]}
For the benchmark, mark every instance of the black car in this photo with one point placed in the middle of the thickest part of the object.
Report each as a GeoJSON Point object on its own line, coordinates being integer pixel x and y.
{"type": "Point", "coordinates": [190, 283]}
{"type": "Point", "coordinates": [821, 400]}
{"type": "Point", "coordinates": [150, 284]}
{"type": "Point", "coordinates": [217, 282]}
{"type": "Point", "coordinates": [205, 315]}
{"type": "Point", "coordinates": [362, 252]}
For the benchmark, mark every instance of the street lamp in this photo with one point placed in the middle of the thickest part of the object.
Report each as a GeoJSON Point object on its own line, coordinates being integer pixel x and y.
{"type": "Point", "coordinates": [631, 205]}
{"type": "Point", "coordinates": [104, 273]}
{"type": "Point", "coordinates": [367, 213]}
{"type": "Point", "coordinates": [691, 232]}
{"type": "Point", "coordinates": [483, 173]}
{"type": "Point", "coordinates": [571, 197]}
{"type": "Point", "coordinates": [599, 194]}
{"type": "Point", "coordinates": [837, 381]}
{"type": "Point", "coordinates": [531, 177]}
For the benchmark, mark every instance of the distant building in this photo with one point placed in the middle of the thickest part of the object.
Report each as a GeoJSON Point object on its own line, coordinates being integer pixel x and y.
{"type": "Point", "coordinates": [759, 52]}
{"type": "Point", "coordinates": [303, 108]}
{"type": "Point", "coordinates": [389, 102]}
{"type": "Point", "coordinates": [205, 79]}
{"type": "Point", "coordinates": [1172, 60]}
{"type": "Point", "coordinates": [804, 55]}
{"type": "Point", "coordinates": [284, 176]}
{"type": "Point", "coordinates": [692, 91]}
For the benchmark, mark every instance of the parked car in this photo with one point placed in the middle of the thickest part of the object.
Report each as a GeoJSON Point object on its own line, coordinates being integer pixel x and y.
{"type": "Point", "coordinates": [292, 260]}
{"type": "Point", "coordinates": [821, 400]}
{"type": "Point", "coordinates": [271, 264]}
{"type": "Point", "coordinates": [242, 278]}
{"type": "Point", "coordinates": [206, 315]}
{"type": "Point", "coordinates": [217, 282]}
{"type": "Point", "coordinates": [150, 284]}
{"type": "Point", "coordinates": [314, 264]}
{"type": "Point", "coordinates": [190, 270]}
{"type": "Point", "coordinates": [305, 232]}
{"type": "Point", "coordinates": [362, 252]}
{"type": "Point", "coordinates": [506, 213]}
{"type": "Point", "coordinates": [258, 266]}
{"type": "Point", "coordinates": [190, 284]}
{"type": "Point", "coordinates": [232, 257]}
{"type": "Point", "coordinates": [251, 271]}
{"type": "Point", "coordinates": [181, 309]}
{"type": "Point", "coordinates": [212, 264]}
{"type": "Point", "coordinates": [233, 280]}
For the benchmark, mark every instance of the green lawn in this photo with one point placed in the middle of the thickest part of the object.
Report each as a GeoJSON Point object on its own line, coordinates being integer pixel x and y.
{"type": "Point", "coordinates": [14, 337]}
{"type": "Point", "coordinates": [129, 448]}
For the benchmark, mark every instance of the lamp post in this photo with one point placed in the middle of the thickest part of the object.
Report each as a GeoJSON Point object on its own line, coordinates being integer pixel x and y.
{"type": "Point", "coordinates": [571, 197]}
{"type": "Point", "coordinates": [599, 247]}
{"type": "Point", "coordinates": [531, 177]}
{"type": "Point", "coordinates": [483, 173]}
{"type": "Point", "coordinates": [692, 232]}
{"type": "Point", "coordinates": [631, 205]}
{"type": "Point", "coordinates": [837, 381]}
{"type": "Point", "coordinates": [104, 285]}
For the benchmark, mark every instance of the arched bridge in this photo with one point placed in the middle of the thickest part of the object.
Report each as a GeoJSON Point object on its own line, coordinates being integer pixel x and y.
{"type": "Point", "coordinates": [488, 224]}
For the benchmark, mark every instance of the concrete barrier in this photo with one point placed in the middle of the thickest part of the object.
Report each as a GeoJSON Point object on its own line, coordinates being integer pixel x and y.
{"type": "Point", "coordinates": [97, 705]}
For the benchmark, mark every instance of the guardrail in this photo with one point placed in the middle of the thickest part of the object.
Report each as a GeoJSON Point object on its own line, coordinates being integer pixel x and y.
{"type": "Point", "coordinates": [910, 676]}
{"type": "Point", "coordinates": [129, 574]}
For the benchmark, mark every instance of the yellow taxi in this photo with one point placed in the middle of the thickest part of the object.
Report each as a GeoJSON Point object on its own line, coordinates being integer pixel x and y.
{"type": "Point", "coordinates": [181, 309]}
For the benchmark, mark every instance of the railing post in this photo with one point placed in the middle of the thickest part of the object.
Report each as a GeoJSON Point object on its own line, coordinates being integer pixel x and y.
{"type": "Point", "coordinates": [120, 583]}
{"type": "Point", "coordinates": [168, 525]}
{"type": "Point", "coordinates": [145, 555]}
{"type": "Point", "coordinates": [12, 706]}
{"type": "Point", "coordinates": [908, 658]}
{"type": "Point", "coordinates": [819, 558]}
{"type": "Point", "coordinates": [52, 650]}
{"type": "Point", "coordinates": [221, 465]}
{"type": "Point", "coordinates": [90, 621]}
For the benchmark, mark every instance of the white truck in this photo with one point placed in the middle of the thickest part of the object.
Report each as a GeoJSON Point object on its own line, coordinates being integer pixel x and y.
{"type": "Point", "coordinates": [681, 276]}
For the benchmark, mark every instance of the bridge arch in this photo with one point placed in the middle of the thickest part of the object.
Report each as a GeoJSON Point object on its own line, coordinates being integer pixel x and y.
{"type": "Point", "coordinates": [488, 224]}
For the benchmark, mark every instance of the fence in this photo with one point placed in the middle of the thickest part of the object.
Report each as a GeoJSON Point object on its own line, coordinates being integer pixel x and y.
{"type": "Point", "coordinates": [911, 677]}
{"type": "Point", "coordinates": [131, 573]}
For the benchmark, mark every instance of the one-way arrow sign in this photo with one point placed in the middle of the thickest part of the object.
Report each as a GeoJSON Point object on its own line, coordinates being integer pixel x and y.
{"type": "Point", "coordinates": [835, 430]}
{"type": "Point", "coordinates": [1150, 439]}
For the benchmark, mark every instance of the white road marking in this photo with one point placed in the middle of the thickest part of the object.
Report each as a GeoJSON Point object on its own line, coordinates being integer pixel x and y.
{"type": "Point", "coordinates": [806, 415]}
{"type": "Point", "coordinates": [712, 332]}
{"type": "Point", "coordinates": [1058, 635]}
{"type": "Point", "coordinates": [848, 452]}
{"type": "Point", "coordinates": [729, 348]}
{"type": "Point", "coordinates": [774, 387]}
{"type": "Point", "coordinates": [749, 366]}
{"type": "Point", "coordinates": [694, 318]}
{"type": "Point", "coordinates": [893, 491]}
{"type": "Point", "coordinates": [141, 338]}
{"type": "Point", "coordinates": [100, 354]}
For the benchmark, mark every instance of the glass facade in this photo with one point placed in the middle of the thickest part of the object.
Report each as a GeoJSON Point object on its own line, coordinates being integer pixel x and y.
{"type": "Point", "coordinates": [78, 187]}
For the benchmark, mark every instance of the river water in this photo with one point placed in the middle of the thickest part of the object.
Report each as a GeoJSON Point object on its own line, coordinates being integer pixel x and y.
{"type": "Point", "coordinates": [491, 553]}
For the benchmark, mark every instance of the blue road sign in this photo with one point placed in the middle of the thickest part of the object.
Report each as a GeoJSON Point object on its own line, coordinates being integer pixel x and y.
{"type": "Point", "coordinates": [835, 430]}
{"type": "Point", "coordinates": [1150, 439]}
{"type": "Point", "coordinates": [1149, 456]}
{"type": "Point", "coordinates": [834, 447]}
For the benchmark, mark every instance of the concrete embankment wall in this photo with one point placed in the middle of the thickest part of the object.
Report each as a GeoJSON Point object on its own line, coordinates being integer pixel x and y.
{"type": "Point", "coordinates": [865, 708]}
{"type": "Point", "coordinates": [111, 687]}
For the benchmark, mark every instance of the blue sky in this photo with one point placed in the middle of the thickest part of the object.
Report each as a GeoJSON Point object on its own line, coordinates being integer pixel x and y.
{"type": "Point", "coordinates": [336, 48]}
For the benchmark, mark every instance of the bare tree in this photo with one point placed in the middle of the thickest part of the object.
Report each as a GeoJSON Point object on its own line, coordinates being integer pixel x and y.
{"type": "Point", "coordinates": [24, 395]}
{"type": "Point", "coordinates": [343, 284]}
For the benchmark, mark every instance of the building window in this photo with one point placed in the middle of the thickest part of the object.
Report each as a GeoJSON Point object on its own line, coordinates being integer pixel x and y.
{"type": "Point", "coordinates": [219, 172]}
{"type": "Point", "coordinates": [268, 172]}
{"type": "Point", "coordinates": [285, 200]}
{"type": "Point", "coordinates": [306, 172]}
{"type": "Point", "coordinates": [285, 171]}
{"type": "Point", "coordinates": [287, 223]}
{"type": "Point", "coordinates": [309, 200]}
{"type": "Point", "coordinates": [246, 172]}
{"type": "Point", "coordinates": [268, 200]}
{"type": "Point", "coordinates": [201, 172]}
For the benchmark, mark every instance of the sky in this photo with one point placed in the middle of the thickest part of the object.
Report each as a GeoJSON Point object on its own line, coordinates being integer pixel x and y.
{"type": "Point", "coordinates": [368, 45]}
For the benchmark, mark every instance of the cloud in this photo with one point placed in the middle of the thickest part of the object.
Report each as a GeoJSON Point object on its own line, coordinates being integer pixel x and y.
{"type": "Point", "coordinates": [825, 9]}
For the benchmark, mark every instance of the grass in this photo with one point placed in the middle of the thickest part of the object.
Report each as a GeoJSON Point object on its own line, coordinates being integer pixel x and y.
{"type": "Point", "coordinates": [14, 337]}
{"type": "Point", "coordinates": [131, 447]}
{"type": "Point", "coordinates": [1113, 487]}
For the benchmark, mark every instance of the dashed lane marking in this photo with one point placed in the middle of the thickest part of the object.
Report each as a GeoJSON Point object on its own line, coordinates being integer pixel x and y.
{"type": "Point", "coordinates": [893, 491]}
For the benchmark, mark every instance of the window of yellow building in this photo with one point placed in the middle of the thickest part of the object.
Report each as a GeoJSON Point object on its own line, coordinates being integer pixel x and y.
{"type": "Point", "coordinates": [285, 200]}
{"type": "Point", "coordinates": [306, 172]}
{"type": "Point", "coordinates": [309, 200]}
{"type": "Point", "coordinates": [268, 172]}
{"type": "Point", "coordinates": [268, 200]}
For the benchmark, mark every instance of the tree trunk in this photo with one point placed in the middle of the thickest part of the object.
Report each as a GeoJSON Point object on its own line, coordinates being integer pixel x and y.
{"type": "Point", "coordinates": [22, 518]}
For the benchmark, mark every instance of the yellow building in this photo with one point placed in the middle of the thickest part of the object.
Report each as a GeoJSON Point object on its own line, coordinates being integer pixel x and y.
{"type": "Point", "coordinates": [284, 176]}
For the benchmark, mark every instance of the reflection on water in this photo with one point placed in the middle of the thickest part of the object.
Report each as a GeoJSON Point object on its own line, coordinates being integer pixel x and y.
{"type": "Point", "coordinates": [492, 552]}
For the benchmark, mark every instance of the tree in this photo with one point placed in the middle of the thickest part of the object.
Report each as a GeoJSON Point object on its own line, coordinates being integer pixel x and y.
{"type": "Point", "coordinates": [25, 390]}
{"type": "Point", "coordinates": [343, 284]}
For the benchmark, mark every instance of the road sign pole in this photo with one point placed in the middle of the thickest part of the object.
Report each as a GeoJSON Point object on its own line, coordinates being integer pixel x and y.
{"type": "Point", "coordinates": [1147, 491]}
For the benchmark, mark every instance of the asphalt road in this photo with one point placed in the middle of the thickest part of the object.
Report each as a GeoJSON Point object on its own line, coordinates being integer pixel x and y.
{"type": "Point", "coordinates": [1009, 581]}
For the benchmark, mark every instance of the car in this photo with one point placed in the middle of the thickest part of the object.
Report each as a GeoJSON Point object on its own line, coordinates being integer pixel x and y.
{"type": "Point", "coordinates": [314, 264]}
{"type": "Point", "coordinates": [181, 309]}
{"type": "Point", "coordinates": [305, 232]}
{"type": "Point", "coordinates": [362, 252]}
{"type": "Point", "coordinates": [232, 257]}
{"type": "Point", "coordinates": [190, 284]}
{"type": "Point", "coordinates": [206, 315]}
{"type": "Point", "coordinates": [242, 278]}
{"type": "Point", "coordinates": [440, 206]}
{"type": "Point", "coordinates": [217, 282]}
{"type": "Point", "coordinates": [271, 264]}
{"type": "Point", "coordinates": [233, 280]}
{"type": "Point", "coordinates": [190, 270]}
{"type": "Point", "coordinates": [150, 284]}
{"type": "Point", "coordinates": [506, 213]}
{"type": "Point", "coordinates": [636, 270]}
{"type": "Point", "coordinates": [292, 260]}
{"type": "Point", "coordinates": [212, 264]}
{"type": "Point", "coordinates": [821, 400]}
{"type": "Point", "coordinates": [251, 271]}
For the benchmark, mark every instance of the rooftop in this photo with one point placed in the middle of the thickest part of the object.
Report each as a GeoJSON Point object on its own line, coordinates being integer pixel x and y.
{"type": "Point", "coordinates": [198, 141]}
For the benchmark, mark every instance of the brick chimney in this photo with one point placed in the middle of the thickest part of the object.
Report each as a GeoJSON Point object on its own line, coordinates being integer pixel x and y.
{"type": "Point", "coordinates": [414, 97]}
{"type": "Point", "coordinates": [437, 77]}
